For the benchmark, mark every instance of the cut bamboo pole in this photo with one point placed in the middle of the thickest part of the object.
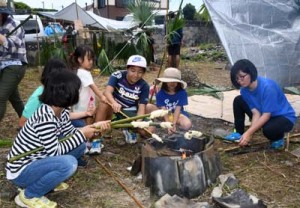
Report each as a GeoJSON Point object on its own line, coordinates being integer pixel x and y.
{"type": "Point", "coordinates": [120, 183]}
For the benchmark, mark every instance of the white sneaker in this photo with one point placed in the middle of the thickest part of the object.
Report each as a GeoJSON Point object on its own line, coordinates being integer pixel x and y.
{"type": "Point", "coordinates": [87, 149]}
{"type": "Point", "coordinates": [96, 147]}
{"type": "Point", "coordinates": [130, 137]}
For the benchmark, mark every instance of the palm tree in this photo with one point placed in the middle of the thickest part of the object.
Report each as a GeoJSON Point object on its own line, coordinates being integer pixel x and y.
{"type": "Point", "coordinates": [204, 14]}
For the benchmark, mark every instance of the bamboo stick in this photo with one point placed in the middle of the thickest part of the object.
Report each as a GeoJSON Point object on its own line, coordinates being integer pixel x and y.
{"type": "Point", "coordinates": [120, 183]}
{"type": "Point", "coordinates": [123, 114]}
{"type": "Point", "coordinates": [129, 125]}
{"type": "Point", "coordinates": [17, 157]}
{"type": "Point", "coordinates": [113, 125]}
{"type": "Point", "coordinates": [127, 119]}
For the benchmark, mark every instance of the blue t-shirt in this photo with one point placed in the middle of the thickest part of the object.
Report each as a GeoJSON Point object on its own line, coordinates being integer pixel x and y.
{"type": "Point", "coordinates": [268, 97]}
{"type": "Point", "coordinates": [180, 98]}
{"type": "Point", "coordinates": [128, 95]}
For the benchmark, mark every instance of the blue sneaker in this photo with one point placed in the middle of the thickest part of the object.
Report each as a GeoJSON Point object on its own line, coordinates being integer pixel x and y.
{"type": "Point", "coordinates": [96, 147]}
{"type": "Point", "coordinates": [130, 137]}
{"type": "Point", "coordinates": [234, 136]}
{"type": "Point", "coordinates": [277, 145]}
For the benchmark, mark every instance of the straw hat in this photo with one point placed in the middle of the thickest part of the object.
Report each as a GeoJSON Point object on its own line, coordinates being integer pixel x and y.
{"type": "Point", "coordinates": [172, 75]}
{"type": "Point", "coordinates": [3, 7]}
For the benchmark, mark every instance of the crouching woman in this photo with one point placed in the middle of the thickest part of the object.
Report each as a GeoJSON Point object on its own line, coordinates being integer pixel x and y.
{"type": "Point", "coordinates": [38, 172]}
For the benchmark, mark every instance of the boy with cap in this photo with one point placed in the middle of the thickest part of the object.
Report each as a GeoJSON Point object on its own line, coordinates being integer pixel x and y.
{"type": "Point", "coordinates": [126, 91]}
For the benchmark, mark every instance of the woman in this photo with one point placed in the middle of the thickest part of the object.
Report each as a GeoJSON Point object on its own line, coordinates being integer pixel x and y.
{"type": "Point", "coordinates": [264, 102]}
{"type": "Point", "coordinates": [12, 61]}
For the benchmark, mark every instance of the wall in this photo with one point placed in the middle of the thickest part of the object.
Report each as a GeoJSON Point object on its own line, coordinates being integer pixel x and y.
{"type": "Point", "coordinates": [194, 33]}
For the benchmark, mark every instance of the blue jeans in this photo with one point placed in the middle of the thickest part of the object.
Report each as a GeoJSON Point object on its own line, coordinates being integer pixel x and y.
{"type": "Point", "coordinates": [43, 175]}
{"type": "Point", "coordinates": [78, 123]}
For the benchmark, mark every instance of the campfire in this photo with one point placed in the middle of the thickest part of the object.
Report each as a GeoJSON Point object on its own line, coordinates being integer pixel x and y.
{"type": "Point", "coordinates": [180, 166]}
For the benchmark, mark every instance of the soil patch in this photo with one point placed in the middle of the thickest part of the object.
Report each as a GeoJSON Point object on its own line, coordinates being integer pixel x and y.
{"type": "Point", "coordinates": [272, 176]}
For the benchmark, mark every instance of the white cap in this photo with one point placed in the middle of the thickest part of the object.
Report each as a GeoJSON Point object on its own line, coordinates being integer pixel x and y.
{"type": "Point", "coordinates": [137, 60]}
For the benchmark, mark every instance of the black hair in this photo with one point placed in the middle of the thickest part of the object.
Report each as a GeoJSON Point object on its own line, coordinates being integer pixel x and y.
{"type": "Point", "coordinates": [245, 66]}
{"type": "Point", "coordinates": [52, 66]}
{"type": "Point", "coordinates": [164, 86]}
{"type": "Point", "coordinates": [128, 66]}
{"type": "Point", "coordinates": [80, 52]}
{"type": "Point", "coordinates": [4, 18]}
{"type": "Point", "coordinates": [171, 14]}
{"type": "Point", "coordinates": [61, 89]}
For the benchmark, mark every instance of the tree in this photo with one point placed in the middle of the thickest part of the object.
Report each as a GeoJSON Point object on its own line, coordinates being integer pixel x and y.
{"type": "Point", "coordinates": [22, 6]}
{"type": "Point", "coordinates": [189, 11]}
{"type": "Point", "coordinates": [204, 15]}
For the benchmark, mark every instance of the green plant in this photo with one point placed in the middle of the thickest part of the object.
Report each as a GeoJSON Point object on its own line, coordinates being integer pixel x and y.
{"type": "Point", "coordinates": [52, 48]}
{"type": "Point", "coordinates": [142, 12]}
{"type": "Point", "coordinates": [175, 24]}
{"type": "Point", "coordinates": [104, 64]}
{"type": "Point", "coordinates": [206, 46]}
{"type": "Point", "coordinates": [204, 15]}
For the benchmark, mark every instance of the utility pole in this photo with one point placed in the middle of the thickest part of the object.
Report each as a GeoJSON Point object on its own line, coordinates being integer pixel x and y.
{"type": "Point", "coordinates": [43, 5]}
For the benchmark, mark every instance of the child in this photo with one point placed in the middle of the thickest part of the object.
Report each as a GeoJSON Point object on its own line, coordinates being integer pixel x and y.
{"type": "Point", "coordinates": [127, 91]}
{"type": "Point", "coordinates": [52, 66]}
{"type": "Point", "coordinates": [173, 97]}
{"type": "Point", "coordinates": [82, 61]}
{"type": "Point", "coordinates": [41, 171]}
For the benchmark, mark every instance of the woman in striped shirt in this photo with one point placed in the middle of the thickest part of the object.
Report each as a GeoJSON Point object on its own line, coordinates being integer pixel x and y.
{"type": "Point", "coordinates": [42, 171]}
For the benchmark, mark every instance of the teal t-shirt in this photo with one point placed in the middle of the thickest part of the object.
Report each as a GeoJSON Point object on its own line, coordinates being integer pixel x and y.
{"type": "Point", "coordinates": [33, 102]}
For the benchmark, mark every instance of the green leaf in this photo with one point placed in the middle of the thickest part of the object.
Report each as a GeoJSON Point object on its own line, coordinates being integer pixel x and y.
{"type": "Point", "coordinates": [104, 64]}
{"type": "Point", "coordinates": [142, 12]}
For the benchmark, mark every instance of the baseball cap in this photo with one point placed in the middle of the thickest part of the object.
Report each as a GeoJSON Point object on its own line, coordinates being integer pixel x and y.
{"type": "Point", "coordinates": [137, 60]}
{"type": "Point", "coordinates": [172, 75]}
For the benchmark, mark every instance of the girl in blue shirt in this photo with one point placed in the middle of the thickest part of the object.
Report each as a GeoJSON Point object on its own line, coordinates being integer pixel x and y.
{"type": "Point", "coordinates": [173, 97]}
{"type": "Point", "coordinates": [264, 102]}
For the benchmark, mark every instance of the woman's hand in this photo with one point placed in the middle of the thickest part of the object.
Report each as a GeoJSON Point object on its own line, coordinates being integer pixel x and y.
{"type": "Point", "coordinates": [245, 139]}
{"type": "Point", "coordinates": [89, 131]}
{"type": "Point", "coordinates": [102, 126]}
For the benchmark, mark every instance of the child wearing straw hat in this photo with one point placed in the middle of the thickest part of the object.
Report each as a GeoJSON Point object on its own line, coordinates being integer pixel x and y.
{"type": "Point", "coordinates": [173, 97]}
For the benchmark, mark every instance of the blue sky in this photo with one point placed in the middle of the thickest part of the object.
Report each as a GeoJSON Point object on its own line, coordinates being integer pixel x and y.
{"type": "Point", "coordinates": [57, 4]}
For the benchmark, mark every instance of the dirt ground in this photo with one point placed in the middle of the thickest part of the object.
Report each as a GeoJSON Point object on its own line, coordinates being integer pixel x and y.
{"type": "Point", "coordinates": [272, 176]}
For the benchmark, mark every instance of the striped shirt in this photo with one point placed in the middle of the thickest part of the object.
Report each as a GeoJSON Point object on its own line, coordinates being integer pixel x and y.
{"type": "Point", "coordinates": [13, 49]}
{"type": "Point", "coordinates": [43, 129]}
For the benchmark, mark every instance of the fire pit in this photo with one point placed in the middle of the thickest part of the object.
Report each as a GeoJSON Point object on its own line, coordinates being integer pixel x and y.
{"type": "Point", "coordinates": [180, 166]}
